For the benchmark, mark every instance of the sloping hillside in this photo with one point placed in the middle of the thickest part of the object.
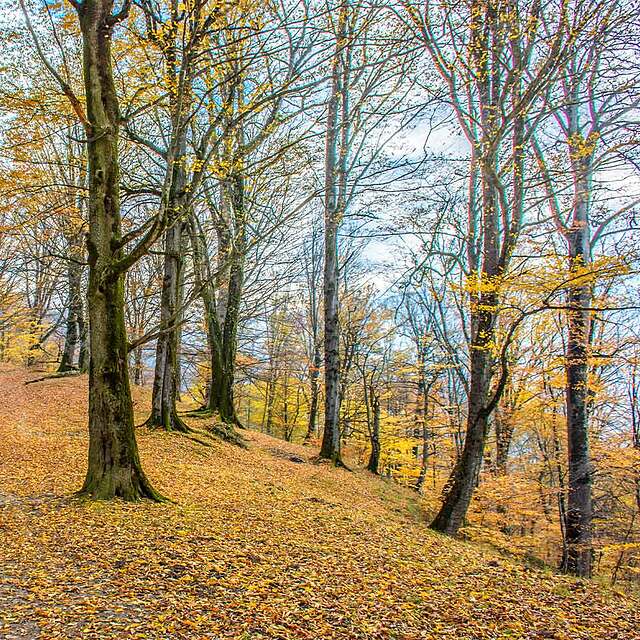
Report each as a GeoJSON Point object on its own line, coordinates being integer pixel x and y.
{"type": "Point", "coordinates": [260, 543]}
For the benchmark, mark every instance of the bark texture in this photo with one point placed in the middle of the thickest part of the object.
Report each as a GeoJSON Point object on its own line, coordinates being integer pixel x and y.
{"type": "Point", "coordinates": [579, 554]}
{"type": "Point", "coordinates": [333, 211]}
{"type": "Point", "coordinates": [374, 458]}
{"type": "Point", "coordinates": [164, 414]}
{"type": "Point", "coordinates": [114, 467]}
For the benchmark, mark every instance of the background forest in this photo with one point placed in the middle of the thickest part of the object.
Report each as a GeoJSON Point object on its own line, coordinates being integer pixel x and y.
{"type": "Point", "coordinates": [401, 233]}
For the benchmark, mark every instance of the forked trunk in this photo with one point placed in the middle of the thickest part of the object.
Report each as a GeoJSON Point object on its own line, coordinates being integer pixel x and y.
{"type": "Point", "coordinates": [114, 467]}
{"type": "Point", "coordinates": [164, 414]}
{"type": "Point", "coordinates": [464, 477]}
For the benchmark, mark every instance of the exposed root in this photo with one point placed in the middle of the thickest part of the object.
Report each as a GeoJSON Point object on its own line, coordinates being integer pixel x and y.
{"type": "Point", "coordinates": [201, 414]}
{"type": "Point", "coordinates": [132, 487]}
{"type": "Point", "coordinates": [204, 413]}
{"type": "Point", "coordinates": [227, 432]}
{"type": "Point", "coordinates": [337, 462]}
{"type": "Point", "coordinates": [174, 423]}
{"type": "Point", "coordinates": [58, 374]}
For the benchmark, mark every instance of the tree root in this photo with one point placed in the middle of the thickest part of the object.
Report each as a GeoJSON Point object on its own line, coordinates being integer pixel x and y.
{"type": "Point", "coordinates": [226, 432]}
{"type": "Point", "coordinates": [335, 463]}
{"type": "Point", "coordinates": [58, 374]}
{"type": "Point", "coordinates": [175, 424]}
{"type": "Point", "coordinates": [112, 485]}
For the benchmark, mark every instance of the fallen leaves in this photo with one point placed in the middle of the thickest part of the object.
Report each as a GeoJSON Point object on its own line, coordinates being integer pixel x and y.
{"type": "Point", "coordinates": [258, 545]}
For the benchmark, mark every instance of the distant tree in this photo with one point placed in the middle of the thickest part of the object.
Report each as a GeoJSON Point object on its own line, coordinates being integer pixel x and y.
{"type": "Point", "coordinates": [594, 123]}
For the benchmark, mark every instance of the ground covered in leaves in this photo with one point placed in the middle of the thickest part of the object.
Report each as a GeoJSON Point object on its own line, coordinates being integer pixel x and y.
{"type": "Point", "coordinates": [260, 543]}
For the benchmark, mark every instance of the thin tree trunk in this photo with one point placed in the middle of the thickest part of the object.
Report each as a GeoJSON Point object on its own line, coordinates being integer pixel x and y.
{"type": "Point", "coordinates": [164, 414]}
{"type": "Point", "coordinates": [427, 437]}
{"type": "Point", "coordinates": [579, 507]}
{"type": "Point", "coordinates": [330, 448]}
{"type": "Point", "coordinates": [504, 435]}
{"type": "Point", "coordinates": [84, 330]}
{"type": "Point", "coordinates": [374, 458]}
{"type": "Point", "coordinates": [138, 367]}
{"type": "Point", "coordinates": [223, 360]}
{"type": "Point", "coordinates": [222, 391]}
{"type": "Point", "coordinates": [483, 312]}
{"type": "Point", "coordinates": [72, 335]}
{"type": "Point", "coordinates": [314, 378]}
{"type": "Point", "coordinates": [221, 387]}
{"type": "Point", "coordinates": [466, 472]}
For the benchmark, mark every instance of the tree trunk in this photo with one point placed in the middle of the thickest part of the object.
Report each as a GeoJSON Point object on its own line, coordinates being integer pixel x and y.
{"type": "Point", "coordinates": [483, 314]}
{"type": "Point", "coordinates": [225, 338]}
{"type": "Point", "coordinates": [164, 414]}
{"type": "Point", "coordinates": [83, 329]}
{"type": "Point", "coordinates": [579, 507]}
{"type": "Point", "coordinates": [466, 472]}
{"type": "Point", "coordinates": [219, 400]}
{"type": "Point", "coordinates": [504, 435]}
{"type": "Point", "coordinates": [267, 418]}
{"type": "Point", "coordinates": [74, 311]}
{"type": "Point", "coordinates": [422, 418]}
{"type": "Point", "coordinates": [330, 448]}
{"type": "Point", "coordinates": [138, 367]}
{"type": "Point", "coordinates": [374, 458]}
{"type": "Point", "coordinates": [314, 376]}
{"type": "Point", "coordinates": [114, 467]}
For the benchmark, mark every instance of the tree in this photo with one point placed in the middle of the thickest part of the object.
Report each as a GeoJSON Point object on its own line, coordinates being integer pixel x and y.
{"type": "Point", "coordinates": [334, 200]}
{"type": "Point", "coordinates": [492, 90]}
{"type": "Point", "coordinates": [180, 40]}
{"type": "Point", "coordinates": [595, 96]}
{"type": "Point", "coordinates": [114, 468]}
{"type": "Point", "coordinates": [366, 107]}
{"type": "Point", "coordinates": [313, 269]}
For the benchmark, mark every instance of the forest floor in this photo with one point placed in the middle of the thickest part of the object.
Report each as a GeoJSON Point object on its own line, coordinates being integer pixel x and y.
{"type": "Point", "coordinates": [260, 543]}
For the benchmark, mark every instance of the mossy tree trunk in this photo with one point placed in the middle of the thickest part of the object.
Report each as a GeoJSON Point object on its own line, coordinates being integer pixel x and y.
{"type": "Point", "coordinates": [224, 352]}
{"type": "Point", "coordinates": [114, 468]}
{"type": "Point", "coordinates": [221, 341]}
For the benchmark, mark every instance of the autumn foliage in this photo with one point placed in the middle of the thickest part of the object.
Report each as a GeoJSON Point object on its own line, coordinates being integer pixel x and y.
{"type": "Point", "coordinates": [244, 550]}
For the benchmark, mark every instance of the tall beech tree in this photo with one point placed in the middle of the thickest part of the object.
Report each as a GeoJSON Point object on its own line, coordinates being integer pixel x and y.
{"type": "Point", "coordinates": [114, 468]}
{"type": "Point", "coordinates": [366, 107]}
{"type": "Point", "coordinates": [114, 464]}
{"type": "Point", "coordinates": [179, 37]}
{"type": "Point", "coordinates": [496, 61]}
{"type": "Point", "coordinates": [334, 202]}
{"type": "Point", "coordinates": [313, 269]}
{"type": "Point", "coordinates": [594, 125]}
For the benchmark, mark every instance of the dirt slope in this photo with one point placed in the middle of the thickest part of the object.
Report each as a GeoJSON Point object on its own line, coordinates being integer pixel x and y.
{"type": "Point", "coordinates": [258, 545]}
